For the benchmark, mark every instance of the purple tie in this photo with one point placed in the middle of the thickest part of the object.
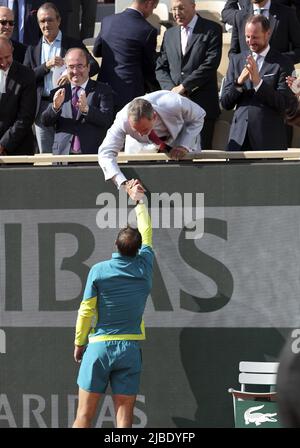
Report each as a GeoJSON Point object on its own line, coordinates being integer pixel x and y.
{"type": "Point", "coordinates": [75, 145]}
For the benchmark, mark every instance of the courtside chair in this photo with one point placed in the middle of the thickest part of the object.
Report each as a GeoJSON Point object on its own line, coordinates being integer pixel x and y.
{"type": "Point", "coordinates": [254, 405]}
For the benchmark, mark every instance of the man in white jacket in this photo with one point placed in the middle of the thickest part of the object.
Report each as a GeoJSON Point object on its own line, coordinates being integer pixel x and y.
{"type": "Point", "coordinates": [159, 121]}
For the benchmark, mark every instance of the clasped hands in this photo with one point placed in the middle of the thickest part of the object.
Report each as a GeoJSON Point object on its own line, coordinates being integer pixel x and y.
{"type": "Point", "coordinates": [294, 85]}
{"type": "Point", "coordinates": [135, 189]}
{"type": "Point", "coordinates": [250, 71]}
{"type": "Point", "coordinates": [59, 98]}
{"type": "Point", "coordinates": [58, 61]}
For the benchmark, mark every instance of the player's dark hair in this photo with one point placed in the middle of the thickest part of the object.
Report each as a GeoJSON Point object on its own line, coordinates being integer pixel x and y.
{"type": "Point", "coordinates": [129, 241]}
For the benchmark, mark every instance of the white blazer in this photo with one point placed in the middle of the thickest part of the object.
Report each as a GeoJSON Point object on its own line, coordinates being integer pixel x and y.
{"type": "Point", "coordinates": [182, 117]}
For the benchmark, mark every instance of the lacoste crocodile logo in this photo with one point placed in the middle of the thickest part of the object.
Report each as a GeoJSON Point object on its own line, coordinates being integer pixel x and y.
{"type": "Point", "coordinates": [258, 418]}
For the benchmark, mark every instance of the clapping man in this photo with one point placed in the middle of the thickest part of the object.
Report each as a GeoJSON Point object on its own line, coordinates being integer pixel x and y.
{"type": "Point", "coordinates": [256, 88]}
{"type": "Point", "coordinates": [80, 112]}
{"type": "Point", "coordinates": [46, 59]}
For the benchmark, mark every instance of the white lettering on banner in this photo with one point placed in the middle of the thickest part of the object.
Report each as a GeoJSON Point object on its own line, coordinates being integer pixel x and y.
{"type": "Point", "coordinates": [296, 343]}
{"type": "Point", "coordinates": [35, 411]}
{"type": "Point", "coordinates": [2, 341]}
{"type": "Point", "coordinates": [46, 255]}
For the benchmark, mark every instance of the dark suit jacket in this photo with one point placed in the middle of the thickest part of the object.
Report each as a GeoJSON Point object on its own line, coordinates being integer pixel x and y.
{"type": "Point", "coordinates": [19, 51]}
{"type": "Point", "coordinates": [233, 6]}
{"type": "Point", "coordinates": [91, 128]}
{"type": "Point", "coordinates": [127, 45]}
{"type": "Point", "coordinates": [17, 111]}
{"type": "Point", "coordinates": [260, 113]}
{"type": "Point", "coordinates": [32, 31]}
{"type": "Point", "coordinates": [285, 29]}
{"type": "Point", "coordinates": [197, 69]}
{"type": "Point", "coordinates": [33, 60]}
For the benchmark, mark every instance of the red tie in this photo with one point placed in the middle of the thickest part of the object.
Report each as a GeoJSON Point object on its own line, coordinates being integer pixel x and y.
{"type": "Point", "coordinates": [163, 147]}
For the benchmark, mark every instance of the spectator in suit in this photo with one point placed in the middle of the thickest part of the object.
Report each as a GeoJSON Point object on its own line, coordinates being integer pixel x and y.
{"type": "Point", "coordinates": [165, 119]}
{"type": "Point", "coordinates": [284, 28]}
{"type": "Point", "coordinates": [84, 13]}
{"type": "Point", "coordinates": [188, 64]}
{"type": "Point", "coordinates": [6, 30]}
{"type": "Point", "coordinates": [233, 6]}
{"type": "Point", "coordinates": [127, 45]}
{"type": "Point", "coordinates": [26, 26]}
{"type": "Point", "coordinates": [256, 86]}
{"type": "Point", "coordinates": [17, 103]}
{"type": "Point", "coordinates": [46, 59]}
{"type": "Point", "coordinates": [82, 111]}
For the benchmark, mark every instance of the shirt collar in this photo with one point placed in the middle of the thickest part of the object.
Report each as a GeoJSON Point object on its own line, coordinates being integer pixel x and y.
{"type": "Point", "coordinates": [5, 72]}
{"type": "Point", "coordinates": [263, 53]}
{"type": "Point", "coordinates": [266, 7]}
{"type": "Point", "coordinates": [192, 23]}
{"type": "Point", "coordinates": [57, 39]}
{"type": "Point", "coordinates": [83, 86]}
{"type": "Point", "coordinates": [122, 257]}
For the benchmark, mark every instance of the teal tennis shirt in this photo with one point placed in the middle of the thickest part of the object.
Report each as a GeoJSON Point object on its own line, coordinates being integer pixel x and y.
{"type": "Point", "coordinates": [116, 293]}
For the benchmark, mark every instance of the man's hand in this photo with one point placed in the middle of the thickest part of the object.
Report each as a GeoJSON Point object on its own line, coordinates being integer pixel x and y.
{"type": "Point", "coordinates": [294, 85]}
{"type": "Point", "coordinates": [179, 89]}
{"type": "Point", "coordinates": [56, 61]}
{"type": "Point", "coordinates": [2, 151]}
{"type": "Point", "coordinates": [135, 189]}
{"type": "Point", "coordinates": [178, 153]}
{"type": "Point", "coordinates": [82, 103]}
{"type": "Point", "coordinates": [243, 76]}
{"type": "Point", "coordinates": [58, 99]}
{"type": "Point", "coordinates": [253, 70]}
{"type": "Point", "coordinates": [63, 80]}
{"type": "Point", "coordinates": [78, 352]}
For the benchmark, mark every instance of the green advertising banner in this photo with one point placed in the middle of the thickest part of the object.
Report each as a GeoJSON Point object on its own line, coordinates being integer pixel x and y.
{"type": "Point", "coordinates": [226, 284]}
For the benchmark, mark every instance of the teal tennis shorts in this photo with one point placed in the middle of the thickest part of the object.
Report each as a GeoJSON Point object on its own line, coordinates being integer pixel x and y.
{"type": "Point", "coordinates": [116, 362]}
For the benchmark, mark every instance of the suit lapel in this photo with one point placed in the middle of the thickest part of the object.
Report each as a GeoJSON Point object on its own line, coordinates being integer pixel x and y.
{"type": "Point", "coordinates": [195, 35]}
{"type": "Point", "coordinates": [178, 41]}
{"type": "Point", "coordinates": [11, 84]}
{"type": "Point", "coordinates": [37, 52]}
{"type": "Point", "coordinates": [267, 65]}
{"type": "Point", "coordinates": [68, 102]}
{"type": "Point", "coordinates": [90, 88]}
{"type": "Point", "coordinates": [272, 19]}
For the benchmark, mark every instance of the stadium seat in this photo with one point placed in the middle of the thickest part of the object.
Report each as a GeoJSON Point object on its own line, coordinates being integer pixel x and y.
{"type": "Point", "coordinates": [256, 408]}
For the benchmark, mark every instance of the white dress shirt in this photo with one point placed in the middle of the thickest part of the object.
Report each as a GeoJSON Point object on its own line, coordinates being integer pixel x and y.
{"type": "Point", "coordinates": [265, 8]}
{"type": "Point", "coordinates": [186, 32]}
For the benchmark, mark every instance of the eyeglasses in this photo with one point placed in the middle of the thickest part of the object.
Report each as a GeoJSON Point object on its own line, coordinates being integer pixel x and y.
{"type": "Point", "coordinates": [7, 22]}
{"type": "Point", "coordinates": [78, 66]}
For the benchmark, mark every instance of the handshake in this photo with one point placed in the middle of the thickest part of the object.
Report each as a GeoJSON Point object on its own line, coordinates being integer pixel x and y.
{"type": "Point", "coordinates": [134, 189]}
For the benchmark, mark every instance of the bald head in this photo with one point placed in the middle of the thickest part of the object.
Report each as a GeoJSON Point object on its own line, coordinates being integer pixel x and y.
{"type": "Point", "coordinates": [6, 53]}
{"type": "Point", "coordinates": [6, 22]}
